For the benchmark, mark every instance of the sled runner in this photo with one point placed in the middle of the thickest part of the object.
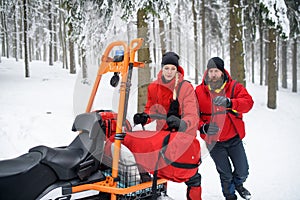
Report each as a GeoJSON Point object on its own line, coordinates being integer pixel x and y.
{"type": "Point", "coordinates": [76, 171]}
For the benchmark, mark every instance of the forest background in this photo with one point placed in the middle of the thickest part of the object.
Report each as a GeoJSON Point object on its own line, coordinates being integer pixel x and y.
{"type": "Point", "coordinates": [258, 40]}
{"type": "Point", "coordinates": [252, 36]}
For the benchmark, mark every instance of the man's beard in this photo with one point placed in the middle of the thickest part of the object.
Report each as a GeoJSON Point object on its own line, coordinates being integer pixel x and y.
{"type": "Point", "coordinates": [215, 84]}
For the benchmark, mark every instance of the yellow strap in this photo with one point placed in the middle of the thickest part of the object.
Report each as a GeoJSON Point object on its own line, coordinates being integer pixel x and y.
{"type": "Point", "coordinates": [219, 89]}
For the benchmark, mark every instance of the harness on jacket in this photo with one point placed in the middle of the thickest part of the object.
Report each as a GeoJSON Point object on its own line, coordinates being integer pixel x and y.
{"type": "Point", "coordinates": [173, 110]}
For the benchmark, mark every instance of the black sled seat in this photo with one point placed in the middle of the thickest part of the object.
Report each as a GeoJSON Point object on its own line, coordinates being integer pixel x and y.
{"type": "Point", "coordinates": [26, 176]}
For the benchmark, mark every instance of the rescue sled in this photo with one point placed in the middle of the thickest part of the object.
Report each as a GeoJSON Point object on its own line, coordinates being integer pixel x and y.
{"type": "Point", "coordinates": [76, 171]}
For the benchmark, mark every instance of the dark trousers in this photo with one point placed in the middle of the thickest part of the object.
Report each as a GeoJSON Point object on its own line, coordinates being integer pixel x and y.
{"type": "Point", "coordinates": [225, 153]}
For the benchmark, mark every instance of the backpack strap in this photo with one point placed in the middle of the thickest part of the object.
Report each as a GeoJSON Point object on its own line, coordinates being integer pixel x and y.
{"type": "Point", "coordinates": [180, 85]}
{"type": "Point", "coordinates": [233, 87]}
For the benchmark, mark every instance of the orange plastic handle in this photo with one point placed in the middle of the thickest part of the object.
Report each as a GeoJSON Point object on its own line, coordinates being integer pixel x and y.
{"type": "Point", "coordinates": [135, 45]}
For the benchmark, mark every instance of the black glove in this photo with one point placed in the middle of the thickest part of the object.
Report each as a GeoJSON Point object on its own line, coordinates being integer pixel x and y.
{"type": "Point", "coordinates": [175, 123]}
{"type": "Point", "coordinates": [140, 118]}
{"type": "Point", "coordinates": [222, 101]}
{"type": "Point", "coordinates": [209, 129]}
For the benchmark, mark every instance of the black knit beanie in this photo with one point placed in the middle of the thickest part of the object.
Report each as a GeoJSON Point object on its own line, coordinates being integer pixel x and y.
{"type": "Point", "coordinates": [216, 62]}
{"type": "Point", "coordinates": [170, 58]}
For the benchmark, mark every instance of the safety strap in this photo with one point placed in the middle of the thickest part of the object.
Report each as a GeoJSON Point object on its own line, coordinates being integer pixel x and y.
{"type": "Point", "coordinates": [220, 112]}
{"type": "Point", "coordinates": [169, 162]}
{"type": "Point", "coordinates": [232, 90]}
{"type": "Point", "coordinates": [225, 111]}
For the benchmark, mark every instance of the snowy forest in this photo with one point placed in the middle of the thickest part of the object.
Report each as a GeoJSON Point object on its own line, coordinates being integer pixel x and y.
{"type": "Point", "coordinates": [258, 39]}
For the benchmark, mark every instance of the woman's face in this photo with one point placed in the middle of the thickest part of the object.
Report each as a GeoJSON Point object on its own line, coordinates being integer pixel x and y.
{"type": "Point", "coordinates": [169, 71]}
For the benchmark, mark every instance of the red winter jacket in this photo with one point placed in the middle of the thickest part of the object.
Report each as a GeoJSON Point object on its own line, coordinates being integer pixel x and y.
{"type": "Point", "coordinates": [183, 147]}
{"type": "Point", "coordinates": [230, 121]}
{"type": "Point", "coordinates": [160, 95]}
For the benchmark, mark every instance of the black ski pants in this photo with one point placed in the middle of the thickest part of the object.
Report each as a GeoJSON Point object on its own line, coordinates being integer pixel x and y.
{"type": "Point", "coordinates": [226, 155]}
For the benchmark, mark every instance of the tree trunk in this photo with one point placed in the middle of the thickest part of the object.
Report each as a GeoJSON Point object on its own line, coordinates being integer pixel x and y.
{"type": "Point", "coordinates": [79, 59]}
{"type": "Point", "coordinates": [267, 43]}
{"type": "Point", "coordinates": [55, 47]}
{"type": "Point", "coordinates": [284, 63]}
{"type": "Point", "coordinates": [2, 20]}
{"type": "Point", "coordinates": [178, 32]}
{"type": "Point", "coordinates": [261, 46]}
{"type": "Point", "coordinates": [277, 60]}
{"type": "Point", "coordinates": [170, 38]}
{"type": "Point", "coordinates": [237, 70]}
{"type": "Point", "coordinates": [294, 64]}
{"type": "Point", "coordinates": [272, 71]}
{"type": "Point", "coordinates": [195, 41]}
{"type": "Point", "coordinates": [38, 38]}
{"type": "Point", "coordinates": [30, 50]}
{"type": "Point", "coordinates": [203, 37]}
{"type": "Point", "coordinates": [187, 44]}
{"type": "Point", "coordinates": [21, 30]}
{"type": "Point", "coordinates": [252, 61]}
{"type": "Point", "coordinates": [25, 39]}
{"type": "Point", "coordinates": [62, 38]}
{"type": "Point", "coordinates": [84, 64]}
{"type": "Point", "coordinates": [154, 47]}
{"type": "Point", "coordinates": [71, 51]}
{"type": "Point", "coordinates": [6, 38]}
{"type": "Point", "coordinates": [143, 56]}
{"type": "Point", "coordinates": [50, 27]}
{"type": "Point", "coordinates": [16, 32]}
{"type": "Point", "coordinates": [162, 37]}
{"type": "Point", "coordinates": [5, 43]}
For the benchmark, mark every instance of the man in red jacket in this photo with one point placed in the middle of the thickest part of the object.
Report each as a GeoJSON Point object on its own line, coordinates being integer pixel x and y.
{"type": "Point", "coordinates": [175, 98]}
{"type": "Point", "coordinates": [222, 101]}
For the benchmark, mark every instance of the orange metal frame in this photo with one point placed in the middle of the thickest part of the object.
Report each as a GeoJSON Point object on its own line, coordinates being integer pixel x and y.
{"type": "Point", "coordinates": [107, 65]}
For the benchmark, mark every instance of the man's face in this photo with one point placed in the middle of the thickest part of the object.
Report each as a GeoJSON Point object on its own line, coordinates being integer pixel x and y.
{"type": "Point", "coordinates": [214, 75]}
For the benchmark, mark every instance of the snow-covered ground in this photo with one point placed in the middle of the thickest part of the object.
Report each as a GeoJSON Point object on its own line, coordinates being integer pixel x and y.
{"type": "Point", "coordinates": [41, 110]}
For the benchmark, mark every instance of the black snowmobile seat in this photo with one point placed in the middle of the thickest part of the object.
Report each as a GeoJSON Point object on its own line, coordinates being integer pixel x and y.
{"type": "Point", "coordinates": [20, 164]}
{"type": "Point", "coordinates": [65, 161]}
{"type": "Point", "coordinates": [62, 160]}
{"type": "Point", "coordinates": [19, 175]}
{"type": "Point", "coordinates": [43, 166]}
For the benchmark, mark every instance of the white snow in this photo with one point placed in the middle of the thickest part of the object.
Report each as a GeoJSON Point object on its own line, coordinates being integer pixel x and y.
{"type": "Point", "coordinates": [41, 110]}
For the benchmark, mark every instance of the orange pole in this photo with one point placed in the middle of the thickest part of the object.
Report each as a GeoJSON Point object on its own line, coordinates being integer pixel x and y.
{"type": "Point", "coordinates": [108, 66]}
{"type": "Point", "coordinates": [121, 191]}
{"type": "Point", "coordinates": [93, 94]}
{"type": "Point", "coordinates": [117, 142]}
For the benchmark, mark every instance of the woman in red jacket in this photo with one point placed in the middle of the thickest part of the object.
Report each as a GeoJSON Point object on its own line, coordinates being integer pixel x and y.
{"type": "Point", "coordinates": [222, 102]}
{"type": "Point", "coordinates": [175, 98]}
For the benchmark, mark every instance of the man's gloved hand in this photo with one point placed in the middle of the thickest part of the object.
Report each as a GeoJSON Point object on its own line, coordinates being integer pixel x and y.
{"type": "Point", "coordinates": [140, 118]}
{"type": "Point", "coordinates": [209, 129]}
{"type": "Point", "coordinates": [222, 101]}
{"type": "Point", "coordinates": [175, 123]}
